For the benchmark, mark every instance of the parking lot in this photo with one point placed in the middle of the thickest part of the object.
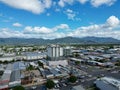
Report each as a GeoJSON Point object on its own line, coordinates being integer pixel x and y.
{"type": "Point", "coordinates": [86, 79]}
{"type": "Point", "coordinates": [92, 73]}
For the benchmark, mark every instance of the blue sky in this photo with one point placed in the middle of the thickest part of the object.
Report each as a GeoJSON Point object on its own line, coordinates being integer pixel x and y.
{"type": "Point", "coordinates": [59, 18]}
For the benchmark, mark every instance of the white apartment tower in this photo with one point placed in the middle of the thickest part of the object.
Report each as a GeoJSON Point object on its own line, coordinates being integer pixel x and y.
{"type": "Point", "coordinates": [54, 52]}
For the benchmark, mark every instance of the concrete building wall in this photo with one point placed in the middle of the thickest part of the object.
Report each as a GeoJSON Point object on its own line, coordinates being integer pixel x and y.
{"type": "Point", "coordinates": [59, 62]}
{"type": "Point", "coordinates": [54, 51]}
{"type": "Point", "coordinates": [61, 51]}
{"type": "Point", "coordinates": [57, 51]}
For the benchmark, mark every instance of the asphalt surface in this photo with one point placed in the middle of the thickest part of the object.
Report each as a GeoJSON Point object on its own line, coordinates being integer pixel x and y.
{"type": "Point", "coordinates": [93, 72]}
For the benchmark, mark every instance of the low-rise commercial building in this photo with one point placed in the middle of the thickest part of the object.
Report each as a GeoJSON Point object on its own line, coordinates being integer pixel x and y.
{"type": "Point", "coordinates": [11, 76]}
{"type": "Point", "coordinates": [107, 83]}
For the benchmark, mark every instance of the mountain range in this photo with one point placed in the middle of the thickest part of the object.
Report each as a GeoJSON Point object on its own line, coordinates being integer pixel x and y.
{"type": "Point", "coordinates": [65, 40]}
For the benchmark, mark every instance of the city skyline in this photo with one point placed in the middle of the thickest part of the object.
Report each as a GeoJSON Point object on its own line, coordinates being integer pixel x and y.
{"type": "Point", "coordinates": [51, 19]}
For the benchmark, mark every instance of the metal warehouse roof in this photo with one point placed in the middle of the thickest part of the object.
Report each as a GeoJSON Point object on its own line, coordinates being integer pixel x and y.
{"type": "Point", "coordinates": [107, 83]}
{"type": "Point", "coordinates": [11, 74]}
{"type": "Point", "coordinates": [19, 66]}
{"type": "Point", "coordinates": [7, 72]}
{"type": "Point", "coordinates": [47, 72]}
{"type": "Point", "coordinates": [15, 76]}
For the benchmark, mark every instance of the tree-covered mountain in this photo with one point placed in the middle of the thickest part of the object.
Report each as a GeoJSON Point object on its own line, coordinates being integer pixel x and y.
{"type": "Point", "coordinates": [65, 40]}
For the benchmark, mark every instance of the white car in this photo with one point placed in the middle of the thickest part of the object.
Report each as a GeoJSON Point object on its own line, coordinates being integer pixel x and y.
{"type": "Point", "coordinates": [57, 85]}
{"type": "Point", "coordinates": [89, 75]}
{"type": "Point", "coordinates": [114, 72]}
{"type": "Point", "coordinates": [82, 80]}
{"type": "Point", "coordinates": [34, 87]}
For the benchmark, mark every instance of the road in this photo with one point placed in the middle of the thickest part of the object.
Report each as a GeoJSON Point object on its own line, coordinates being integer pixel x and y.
{"type": "Point", "coordinates": [93, 72]}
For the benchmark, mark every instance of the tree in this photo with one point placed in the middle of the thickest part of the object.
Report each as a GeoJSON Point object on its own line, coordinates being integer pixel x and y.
{"type": "Point", "coordinates": [111, 47]}
{"type": "Point", "coordinates": [5, 62]}
{"type": "Point", "coordinates": [34, 48]}
{"type": "Point", "coordinates": [18, 88]}
{"type": "Point", "coordinates": [76, 54]}
{"type": "Point", "coordinates": [50, 84]}
{"type": "Point", "coordinates": [1, 73]}
{"type": "Point", "coordinates": [1, 62]}
{"type": "Point", "coordinates": [102, 60]}
{"type": "Point", "coordinates": [30, 67]}
{"type": "Point", "coordinates": [13, 60]}
{"type": "Point", "coordinates": [117, 63]}
{"type": "Point", "coordinates": [72, 79]}
{"type": "Point", "coordinates": [21, 50]}
{"type": "Point", "coordinates": [40, 64]}
{"type": "Point", "coordinates": [77, 62]}
{"type": "Point", "coordinates": [1, 55]}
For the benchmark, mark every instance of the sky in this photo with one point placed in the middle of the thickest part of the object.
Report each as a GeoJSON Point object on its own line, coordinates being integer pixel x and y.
{"type": "Point", "coordinates": [51, 19]}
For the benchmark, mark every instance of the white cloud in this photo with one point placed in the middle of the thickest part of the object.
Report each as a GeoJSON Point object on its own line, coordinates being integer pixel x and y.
{"type": "Point", "coordinates": [39, 6]}
{"type": "Point", "coordinates": [57, 10]}
{"type": "Point", "coordinates": [62, 3]}
{"type": "Point", "coordinates": [96, 33]}
{"type": "Point", "coordinates": [47, 3]}
{"type": "Point", "coordinates": [113, 21]}
{"type": "Point", "coordinates": [17, 24]}
{"type": "Point", "coordinates": [82, 1]}
{"type": "Point", "coordinates": [111, 28]}
{"type": "Point", "coordinates": [70, 14]}
{"type": "Point", "coordinates": [97, 3]}
{"type": "Point", "coordinates": [45, 30]}
{"type": "Point", "coordinates": [7, 33]}
{"type": "Point", "coordinates": [34, 6]}
{"type": "Point", "coordinates": [37, 30]}
{"type": "Point", "coordinates": [54, 35]}
{"type": "Point", "coordinates": [69, 11]}
{"type": "Point", "coordinates": [61, 27]}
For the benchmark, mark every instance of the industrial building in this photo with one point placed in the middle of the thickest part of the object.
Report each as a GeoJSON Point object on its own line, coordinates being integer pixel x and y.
{"type": "Point", "coordinates": [34, 55]}
{"type": "Point", "coordinates": [11, 76]}
{"type": "Point", "coordinates": [79, 87]}
{"type": "Point", "coordinates": [4, 82]}
{"type": "Point", "coordinates": [67, 51]}
{"type": "Point", "coordinates": [54, 52]}
{"type": "Point", "coordinates": [107, 83]}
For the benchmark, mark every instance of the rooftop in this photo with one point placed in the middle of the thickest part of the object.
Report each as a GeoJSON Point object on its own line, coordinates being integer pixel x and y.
{"type": "Point", "coordinates": [79, 87]}
{"type": "Point", "coordinates": [112, 81]}
{"type": "Point", "coordinates": [108, 83]}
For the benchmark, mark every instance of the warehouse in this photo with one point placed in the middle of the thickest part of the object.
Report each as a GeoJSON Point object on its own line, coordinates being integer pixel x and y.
{"type": "Point", "coordinates": [107, 83]}
{"type": "Point", "coordinates": [4, 82]}
{"type": "Point", "coordinates": [15, 78]}
{"type": "Point", "coordinates": [11, 76]}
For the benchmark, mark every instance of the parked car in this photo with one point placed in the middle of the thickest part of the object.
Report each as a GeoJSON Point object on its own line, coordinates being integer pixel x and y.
{"type": "Point", "coordinates": [34, 87]}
